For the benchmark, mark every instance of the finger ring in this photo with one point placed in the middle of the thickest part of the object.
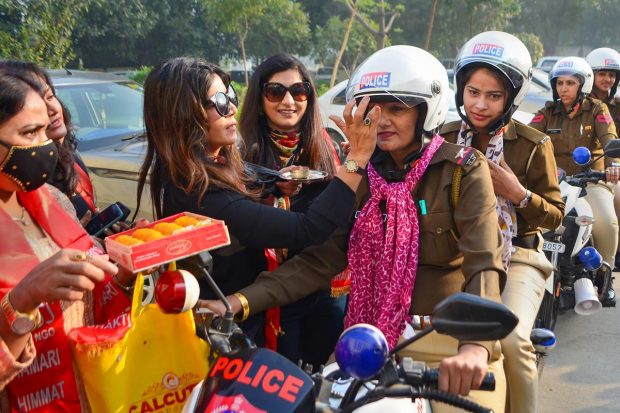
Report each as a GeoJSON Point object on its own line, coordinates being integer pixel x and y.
{"type": "Point", "coordinates": [367, 121]}
{"type": "Point", "coordinates": [81, 256]}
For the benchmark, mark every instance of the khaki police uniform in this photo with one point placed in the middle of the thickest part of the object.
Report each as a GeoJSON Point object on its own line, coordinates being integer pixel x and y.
{"type": "Point", "coordinates": [613, 104]}
{"type": "Point", "coordinates": [529, 154]}
{"type": "Point", "coordinates": [592, 126]}
{"type": "Point", "coordinates": [460, 250]}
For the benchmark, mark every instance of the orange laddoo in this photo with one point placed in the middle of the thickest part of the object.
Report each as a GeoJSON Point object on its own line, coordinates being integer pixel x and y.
{"type": "Point", "coordinates": [145, 233]}
{"type": "Point", "coordinates": [128, 240]}
{"type": "Point", "coordinates": [185, 221]}
{"type": "Point", "coordinates": [167, 228]}
{"type": "Point", "coordinates": [154, 235]}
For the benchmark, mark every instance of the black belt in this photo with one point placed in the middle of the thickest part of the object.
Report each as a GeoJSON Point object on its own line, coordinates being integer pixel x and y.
{"type": "Point", "coordinates": [527, 241]}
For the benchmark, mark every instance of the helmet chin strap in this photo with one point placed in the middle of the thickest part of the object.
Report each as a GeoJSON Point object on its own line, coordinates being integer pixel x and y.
{"type": "Point", "coordinates": [495, 127]}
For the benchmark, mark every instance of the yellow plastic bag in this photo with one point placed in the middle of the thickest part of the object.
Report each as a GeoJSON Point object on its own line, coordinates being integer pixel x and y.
{"type": "Point", "coordinates": [150, 365]}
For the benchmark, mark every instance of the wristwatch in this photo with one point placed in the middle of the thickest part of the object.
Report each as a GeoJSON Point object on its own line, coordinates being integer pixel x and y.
{"type": "Point", "coordinates": [525, 201]}
{"type": "Point", "coordinates": [352, 166]}
{"type": "Point", "coordinates": [21, 323]}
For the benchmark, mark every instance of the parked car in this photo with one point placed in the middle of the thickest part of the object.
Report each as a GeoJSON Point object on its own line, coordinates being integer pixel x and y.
{"type": "Point", "coordinates": [105, 108]}
{"type": "Point", "coordinates": [114, 172]}
{"type": "Point", "coordinates": [541, 78]}
{"type": "Point", "coordinates": [546, 62]}
{"type": "Point", "coordinates": [106, 111]}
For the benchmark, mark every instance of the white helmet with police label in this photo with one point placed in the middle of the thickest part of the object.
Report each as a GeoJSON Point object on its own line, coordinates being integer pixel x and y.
{"type": "Point", "coordinates": [406, 74]}
{"type": "Point", "coordinates": [573, 66]}
{"type": "Point", "coordinates": [605, 58]}
{"type": "Point", "coordinates": [500, 51]}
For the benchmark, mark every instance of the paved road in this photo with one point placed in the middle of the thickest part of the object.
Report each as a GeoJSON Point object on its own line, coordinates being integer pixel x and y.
{"type": "Point", "coordinates": [583, 372]}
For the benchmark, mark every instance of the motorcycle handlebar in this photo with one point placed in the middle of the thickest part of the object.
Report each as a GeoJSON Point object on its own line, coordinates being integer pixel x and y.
{"type": "Point", "coordinates": [431, 378]}
{"type": "Point", "coordinates": [586, 177]}
{"type": "Point", "coordinates": [409, 392]}
{"type": "Point", "coordinates": [416, 374]}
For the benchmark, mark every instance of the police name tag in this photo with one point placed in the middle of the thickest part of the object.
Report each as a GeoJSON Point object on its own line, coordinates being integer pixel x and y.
{"type": "Point", "coordinates": [553, 246]}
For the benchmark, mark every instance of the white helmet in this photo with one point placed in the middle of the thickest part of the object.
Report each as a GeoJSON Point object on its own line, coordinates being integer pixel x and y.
{"type": "Point", "coordinates": [605, 58]}
{"type": "Point", "coordinates": [502, 52]}
{"type": "Point", "coordinates": [407, 74]}
{"type": "Point", "coordinates": [572, 66]}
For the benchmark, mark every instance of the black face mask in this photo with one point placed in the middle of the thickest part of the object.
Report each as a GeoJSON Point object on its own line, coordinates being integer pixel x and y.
{"type": "Point", "coordinates": [30, 166]}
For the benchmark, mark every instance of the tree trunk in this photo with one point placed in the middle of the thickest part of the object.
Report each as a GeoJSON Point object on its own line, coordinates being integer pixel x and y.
{"type": "Point", "coordinates": [382, 31]}
{"type": "Point", "coordinates": [242, 44]}
{"type": "Point", "coordinates": [431, 21]}
{"type": "Point", "coordinates": [343, 47]}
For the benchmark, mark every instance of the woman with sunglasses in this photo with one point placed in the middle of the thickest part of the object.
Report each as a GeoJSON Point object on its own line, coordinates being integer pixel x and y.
{"type": "Point", "coordinates": [415, 240]}
{"type": "Point", "coordinates": [195, 165]}
{"type": "Point", "coordinates": [281, 126]}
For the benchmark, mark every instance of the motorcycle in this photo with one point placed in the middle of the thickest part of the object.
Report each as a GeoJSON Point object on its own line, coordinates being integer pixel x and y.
{"type": "Point", "coordinates": [581, 279]}
{"type": "Point", "coordinates": [243, 378]}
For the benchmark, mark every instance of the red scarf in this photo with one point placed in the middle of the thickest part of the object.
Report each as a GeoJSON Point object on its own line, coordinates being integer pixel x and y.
{"type": "Point", "coordinates": [48, 385]}
{"type": "Point", "coordinates": [84, 187]}
{"type": "Point", "coordinates": [383, 255]}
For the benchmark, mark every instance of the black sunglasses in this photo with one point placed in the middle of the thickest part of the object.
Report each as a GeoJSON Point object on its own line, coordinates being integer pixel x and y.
{"type": "Point", "coordinates": [275, 92]}
{"type": "Point", "coordinates": [222, 101]}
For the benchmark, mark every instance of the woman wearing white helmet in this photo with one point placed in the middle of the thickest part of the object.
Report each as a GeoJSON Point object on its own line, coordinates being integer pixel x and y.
{"type": "Point", "coordinates": [411, 235]}
{"type": "Point", "coordinates": [575, 119]}
{"type": "Point", "coordinates": [492, 74]}
{"type": "Point", "coordinates": [605, 64]}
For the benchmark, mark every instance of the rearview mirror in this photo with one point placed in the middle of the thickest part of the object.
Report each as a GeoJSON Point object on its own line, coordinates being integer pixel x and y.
{"type": "Point", "coordinates": [468, 317]}
{"type": "Point", "coordinates": [612, 149]}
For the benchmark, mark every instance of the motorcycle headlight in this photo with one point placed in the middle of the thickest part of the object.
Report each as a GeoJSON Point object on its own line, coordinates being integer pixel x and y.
{"type": "Point", "coordinates": [584, 220]}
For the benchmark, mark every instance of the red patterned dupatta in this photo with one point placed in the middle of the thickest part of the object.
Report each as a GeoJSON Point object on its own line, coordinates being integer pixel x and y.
{"type": "Point", "coordinates": [48, 385]}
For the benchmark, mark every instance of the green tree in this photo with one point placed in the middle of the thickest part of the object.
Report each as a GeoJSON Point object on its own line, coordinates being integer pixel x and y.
{"type": "Point", "coordinates": [565, 22]}
{"type": "Point", "coordinates": [459, 20]}
{"type": "Point", "coordinates": [108, 33]}
{"type": "Point", "coordinates": [376, 16]}
{"type": "Point", "coordinates": [236, 18]}
{"type": "Point", "coordinates": [40, 30]}
{"type": "Point", "coordinates": [284, 26]}
{"type": "Point", "coordinates": [143, 32]}
{"type": "Point", "coordinates": [328, 40]}
{"type": "Point", "coordinates": [533, 44]}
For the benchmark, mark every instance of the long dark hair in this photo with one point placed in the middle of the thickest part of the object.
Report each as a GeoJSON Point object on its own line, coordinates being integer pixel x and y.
{"type": "Point", "coordinates": [65, 177]}
{"type": "Point", "coordinates": [259, 148]}
{"type": "Point", "coordinates": [13, 91]}
{"type": "Point", "coordinates": [175, 99]}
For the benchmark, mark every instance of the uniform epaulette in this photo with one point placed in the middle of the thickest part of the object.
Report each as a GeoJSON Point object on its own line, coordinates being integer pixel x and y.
{"type": "Point", "coordinates": [533, 135]}
{"type": "Point", "coordinates": [461, 155]}
{"type": "Point", "coordinates": [450, 127]}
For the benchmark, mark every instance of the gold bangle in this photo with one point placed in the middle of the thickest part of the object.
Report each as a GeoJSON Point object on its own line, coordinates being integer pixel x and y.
{"type": "Point", "coordinates": [126, 288]}
{"type": "Point", "coordinates": [245, 305]}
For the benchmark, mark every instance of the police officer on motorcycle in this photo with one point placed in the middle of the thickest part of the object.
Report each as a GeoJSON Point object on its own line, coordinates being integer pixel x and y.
{"type": "Point", "coordinates": [605, 63]}
{"type": "Point", "coordinates": [441, 234]}
{"type": "Point", "coordinates": [573, 119]}
{"type": "Point", "coordinates": [490, 85]}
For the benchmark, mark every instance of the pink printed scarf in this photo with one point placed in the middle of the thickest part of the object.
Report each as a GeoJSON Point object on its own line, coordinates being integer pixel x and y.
{"type": "Point", "coordinates": [383, 260]}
